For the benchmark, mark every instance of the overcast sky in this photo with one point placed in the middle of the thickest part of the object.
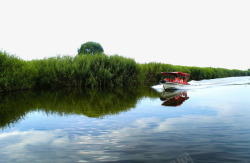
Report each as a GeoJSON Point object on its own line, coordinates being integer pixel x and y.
{"type": "Point", "coordinates": [201, 33]}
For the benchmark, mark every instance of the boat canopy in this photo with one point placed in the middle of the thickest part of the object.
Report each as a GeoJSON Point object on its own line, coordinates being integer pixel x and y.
{"type": "Point", "coordinates": [175, 73]}
{"type": "Point", "coordinates": [175, 77]}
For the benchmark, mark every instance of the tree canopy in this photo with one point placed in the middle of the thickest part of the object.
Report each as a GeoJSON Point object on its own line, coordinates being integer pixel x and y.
{"type": "Point", "coordinates": [90, 48]}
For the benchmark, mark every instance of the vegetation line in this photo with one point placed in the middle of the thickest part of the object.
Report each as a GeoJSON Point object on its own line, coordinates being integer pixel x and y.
{"type": "Point", "coordinates": [92, 71]}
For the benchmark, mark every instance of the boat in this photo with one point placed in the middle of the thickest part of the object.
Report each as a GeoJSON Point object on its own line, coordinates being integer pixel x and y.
{"type": "Point", "coordinates": [174, 80]}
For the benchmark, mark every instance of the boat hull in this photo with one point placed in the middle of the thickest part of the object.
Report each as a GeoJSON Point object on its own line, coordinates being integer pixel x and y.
{"type": "Point", "coordinates": [172, 85]}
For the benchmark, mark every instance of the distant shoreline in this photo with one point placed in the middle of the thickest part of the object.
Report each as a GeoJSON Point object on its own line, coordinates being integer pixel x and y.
{"type": "Point", "coordinates": [96, 71]}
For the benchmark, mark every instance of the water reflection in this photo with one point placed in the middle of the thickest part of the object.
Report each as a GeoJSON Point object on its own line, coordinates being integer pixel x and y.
{"type": "Point", "coordinates": [91, 103]}
{"type": "Point", "coordinates": [174, 97]}
{"type": "Point", "coordinates": [213, 127]}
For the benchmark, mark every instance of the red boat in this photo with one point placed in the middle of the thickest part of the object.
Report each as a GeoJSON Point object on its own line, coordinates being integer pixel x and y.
{"type": "Point", "coordinates": [174, 80]}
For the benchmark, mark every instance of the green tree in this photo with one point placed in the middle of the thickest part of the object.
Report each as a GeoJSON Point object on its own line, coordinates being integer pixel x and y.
{"type": "Point", "coordinates": [90, 48]}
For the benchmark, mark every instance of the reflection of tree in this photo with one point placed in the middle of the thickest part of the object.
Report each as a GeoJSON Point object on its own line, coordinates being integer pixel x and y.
{"type": "Point", "coordinates": [91, 103]}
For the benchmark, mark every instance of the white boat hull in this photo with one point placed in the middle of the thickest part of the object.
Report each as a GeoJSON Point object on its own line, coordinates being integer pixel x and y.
{"type": "Point", "coordinates": [172, 85]}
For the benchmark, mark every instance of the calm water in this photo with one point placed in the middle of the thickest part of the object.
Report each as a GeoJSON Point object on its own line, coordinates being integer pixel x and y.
{"type": "Point", "coordinates": [209, 121]}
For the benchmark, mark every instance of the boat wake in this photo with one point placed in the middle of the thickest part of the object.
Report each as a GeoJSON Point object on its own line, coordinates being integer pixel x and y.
{"type": "Point", "coordinates": [211, 83]}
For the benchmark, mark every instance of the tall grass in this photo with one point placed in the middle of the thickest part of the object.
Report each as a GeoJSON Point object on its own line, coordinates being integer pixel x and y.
{"type": "Point", "coordinates": [92, 71]}
{"type": "Point", "coordinates": [152, 72]}
{"type": "Point", "coordinates": [15, 73]}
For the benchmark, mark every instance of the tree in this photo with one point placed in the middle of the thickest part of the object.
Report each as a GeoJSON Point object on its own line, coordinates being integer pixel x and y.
{"type": "Point", "coordinates": [90, 48]}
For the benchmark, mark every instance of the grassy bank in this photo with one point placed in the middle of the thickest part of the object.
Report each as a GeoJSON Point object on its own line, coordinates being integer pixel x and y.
{"type": "Point", "coordinates": [92, 71]}
{"type": "Point", "coordinates": [152, 71]}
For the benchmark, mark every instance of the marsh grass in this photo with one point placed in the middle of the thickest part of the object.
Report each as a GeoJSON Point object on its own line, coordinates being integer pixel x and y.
{"type": "Point", "coordinates": [89, 71]}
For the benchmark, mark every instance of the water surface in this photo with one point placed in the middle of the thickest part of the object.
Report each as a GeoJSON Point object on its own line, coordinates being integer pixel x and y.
{"type": "Point", "coordinates": [205, 122]}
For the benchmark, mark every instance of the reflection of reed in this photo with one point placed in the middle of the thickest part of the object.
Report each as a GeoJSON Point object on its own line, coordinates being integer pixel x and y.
{"type": "Point", "coordinates": [174, 97]}
{"type": "Point", "coordinates": [91, 103]}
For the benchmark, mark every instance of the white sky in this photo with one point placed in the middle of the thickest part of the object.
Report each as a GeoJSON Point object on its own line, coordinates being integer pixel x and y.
{"type": "Point", "coordinates": [201, 33]}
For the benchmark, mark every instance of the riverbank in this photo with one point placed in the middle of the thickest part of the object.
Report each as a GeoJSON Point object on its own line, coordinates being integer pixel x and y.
{"type": "Point", "coordinates": [92, 72]}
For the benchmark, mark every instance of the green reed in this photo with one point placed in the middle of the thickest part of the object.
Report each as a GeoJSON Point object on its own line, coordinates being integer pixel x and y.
{"type": "Point", "coordinates": [96, 71]}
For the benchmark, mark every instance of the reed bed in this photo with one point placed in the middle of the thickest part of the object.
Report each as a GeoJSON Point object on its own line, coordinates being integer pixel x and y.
{"type": "Point", "coordinates": [89, 71]}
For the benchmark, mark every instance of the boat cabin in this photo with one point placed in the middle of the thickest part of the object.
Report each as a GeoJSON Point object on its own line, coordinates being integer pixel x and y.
{"type": "Point", "coordinates": [176, 77]}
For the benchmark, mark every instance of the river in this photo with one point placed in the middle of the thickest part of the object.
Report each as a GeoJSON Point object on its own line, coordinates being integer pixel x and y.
{"type": "Point", "coordinates": [208, 121]}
